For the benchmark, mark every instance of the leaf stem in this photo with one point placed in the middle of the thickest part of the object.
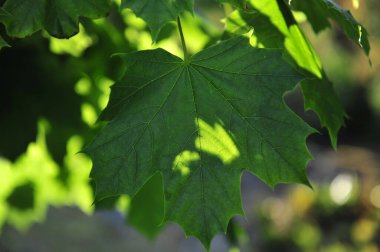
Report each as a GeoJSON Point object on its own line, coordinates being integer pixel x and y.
{"type": "Point", "coordinates": [184, 48]}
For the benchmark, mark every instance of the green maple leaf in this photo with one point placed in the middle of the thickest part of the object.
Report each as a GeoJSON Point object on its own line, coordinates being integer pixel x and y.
{"type": "Point", "coordinates": [59, 17]}
{"type": "Point", "coordinates": [200, 123]}
{"type": "Point", "coordinates": [275, 27]}
{"type": "Point", "coordinates": [158, 13]}
{"type": "Point", "coordinates": [319, 12]}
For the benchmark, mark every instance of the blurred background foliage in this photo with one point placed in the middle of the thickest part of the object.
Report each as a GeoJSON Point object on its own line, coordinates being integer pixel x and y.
{"type": "Point", "coordinates": [52, 92]}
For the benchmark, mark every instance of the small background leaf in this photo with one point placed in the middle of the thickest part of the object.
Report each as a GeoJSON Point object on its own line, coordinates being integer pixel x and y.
{"type": "Point", "coordinates": [319, 12]}
{"type": "Point", "coordinates": [158, 13]}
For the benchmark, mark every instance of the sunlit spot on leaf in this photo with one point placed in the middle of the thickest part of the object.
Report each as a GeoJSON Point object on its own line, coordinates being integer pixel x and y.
{"type": "Point", "coordinates": [216, 141]}
{"type": "Point", "coordinates": [183, 160]}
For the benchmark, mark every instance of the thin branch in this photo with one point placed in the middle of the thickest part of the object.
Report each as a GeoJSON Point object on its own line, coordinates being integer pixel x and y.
{"type": "Point", "coordinates": [184, 48]}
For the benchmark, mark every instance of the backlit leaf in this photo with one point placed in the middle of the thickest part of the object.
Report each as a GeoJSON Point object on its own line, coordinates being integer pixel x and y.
{"type": "Point", "coordinates": [275, 27]}
{"type": "Point", "coordinates": [319, 12]}
{"type": "Point", "coordinates": [200, 123]}
{"type": "Point", "coordinates": [158, 13]}
{"type": "Point", "coordinates": [59, 17]}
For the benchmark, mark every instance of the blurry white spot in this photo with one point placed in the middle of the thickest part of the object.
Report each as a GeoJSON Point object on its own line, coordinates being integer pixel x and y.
{"type": "Point", "coordinates": [341, 188]}
{"type": "Point", "coordinates": [375, 196]}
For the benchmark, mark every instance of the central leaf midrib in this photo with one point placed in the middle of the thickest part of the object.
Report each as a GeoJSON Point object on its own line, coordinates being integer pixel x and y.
{"type": "Point", "coordinates": [199, 151]}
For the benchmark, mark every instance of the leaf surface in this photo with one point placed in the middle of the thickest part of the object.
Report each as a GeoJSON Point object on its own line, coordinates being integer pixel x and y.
{"type": "Point", "coordinates": [201, 123]}
{"type": "Point", "coordinates": [275, 27]}
{"type": "Point", "coordinates": [59, 17]}
{"type": "Point", "coordinates": [158, 13]}
{"type": "Point", "coordinates": [319, 12]}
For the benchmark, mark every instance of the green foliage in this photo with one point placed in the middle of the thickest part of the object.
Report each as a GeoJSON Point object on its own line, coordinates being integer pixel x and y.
{"type": "Point", "coordinates": [59, 17]}
{"type": "Point", "coordinates": [30, 184]}
{"type": "Point", "coordinates": [158, 13]}
{"type": "Point", "coordinates": [319, 12]}
{"type": "Point", "coordinates": [179, 132]}
{"type": "Point", "coordinates": [229, 102]}
{"type": "Point", "coordinates": [275, 27]}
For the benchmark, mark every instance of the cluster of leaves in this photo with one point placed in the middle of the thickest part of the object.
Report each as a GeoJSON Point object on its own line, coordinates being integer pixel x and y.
{"type": "Point", "coordinates": [181, 131]}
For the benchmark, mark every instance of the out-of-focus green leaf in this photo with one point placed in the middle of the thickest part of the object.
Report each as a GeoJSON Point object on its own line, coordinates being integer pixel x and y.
{"type": "Point", "coordinates": [158, 13]}
{"type": "Point", "coordinates": [200, 123]}
{"type": "Point", "coordinates": [32, 182]}
{"type": "Point", "coordinates": [319, 12]}
{"type": "Point", "coordinates": [78, 168]}
{"type": "Point", "coordinates": [146, 212]}
{"type": "Point", "coordinates": [59, 17]}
